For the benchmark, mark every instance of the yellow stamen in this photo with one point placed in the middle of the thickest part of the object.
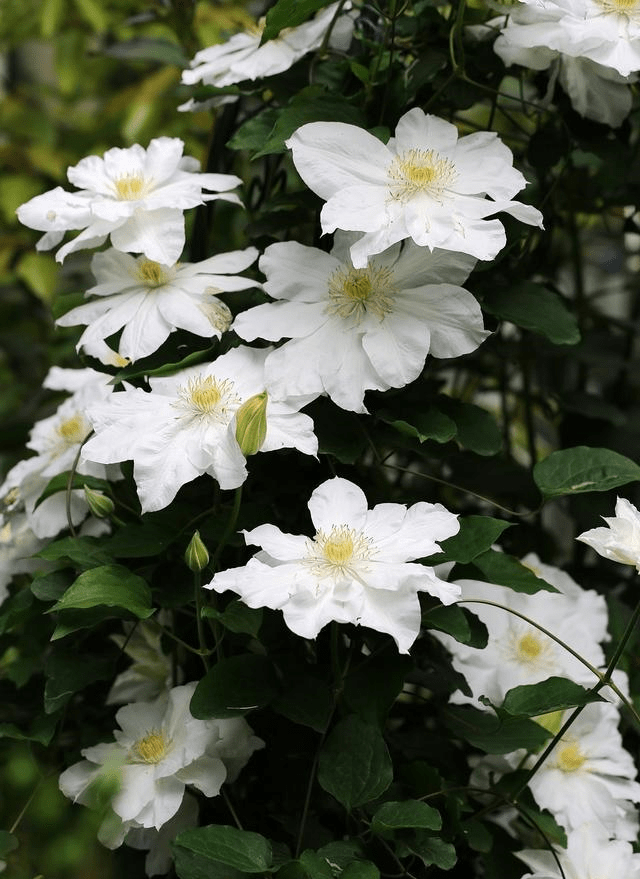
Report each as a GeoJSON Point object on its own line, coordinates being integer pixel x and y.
{"type": "Point", "coordinates": [210, 397]}
{"type": "Point", "coordinates": [620, 7]}
{"type": "Point", "coordinates": [74, 430]}
{"type": "Point", "coordinates": [570, 757]}
{"type": "Point", "coordinates": [152, 274]}
{"type": "Point", "coordinates": [130, 187]}
{"type": "Point", "coordinates": [529, 647]}
{"type": "Point", "coordinates": [152, 748]}
{"type": "Point", "coordinates": [339, 551]}
{"type": "Point", "coordinates": [355, 292]}
{"type": "Point", "coordinates": [420, 171]}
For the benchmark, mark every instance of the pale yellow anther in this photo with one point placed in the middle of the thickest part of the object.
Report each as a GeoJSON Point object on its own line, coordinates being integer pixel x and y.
{"type": "Point", "coordinates": [570, 758]}
{"type": "Point", "coordinates": [529, 647]}
{"type": "Point", "coordinates": [420, 171]}
{"type": "Point", "coordinates": [620, 7]}
{"type": "Point", "coordinates": [152, 274]}
{"type": "Point", "coordinates": [130, 187]}
{"type": "Point", "coordinates": [340, 551]}
{"type": "Point", "coordinates": [356, 292]}
{"type": "Point", "coordinates": [206, 396]}
{"type": "Point", "coordinates": [152, 748]}
{"type": "Point", "coordinates": [74, 430]}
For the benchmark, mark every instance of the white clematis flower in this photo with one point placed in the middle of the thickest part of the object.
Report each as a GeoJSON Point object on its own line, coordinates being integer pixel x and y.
{"type": "Point", "coordinates": [589, 853]}
{"type": "Point", "coordinates": [150, 300]}
{"type": "Point", "coordinates": [606, 32]}
{"type": "Point", "coordinates": [356, 569]}
{"type": "Point", "coordinates": [620, 540]}
{"type": "Point", "coordinates": [135, 195]}
{"type": "Point", "coordinates": [588, 777]}
{"type": "Point", "coordinates": [355, 330]}
{"type": "Point", "coordinates": [186, 426]}
{"type": "Point", "coordinates": [424, 184]}
{"type": "Point", "coordinates": [57, 440]}
{"type": "Point", "coordinates": [244, 58]}
{"type": "Point", "coordinates": [517, 652]}
{"type": "Point", "coordinates": [159, 750]}
{"type": "Point", "coordinates": [597, 91]}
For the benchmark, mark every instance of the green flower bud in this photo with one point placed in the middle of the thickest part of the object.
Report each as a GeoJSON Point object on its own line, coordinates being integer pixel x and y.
{"type": "Point", "coordinates": [100, 505]}
{"type": "Point", "coordinates": [251, 424]}
{"type": "Point", "coordinates": [196, 555]}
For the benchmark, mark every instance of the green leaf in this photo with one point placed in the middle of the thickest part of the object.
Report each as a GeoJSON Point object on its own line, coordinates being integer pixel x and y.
{"type": "Point", "coordinates": [371, 688]}
{"type": "Point", "coordinates": [138, 541]}
{"type": "Point", "coordinates": [315, 865]}
{"type": "Point", "coordinates": [354, 764]}
{"type": "Point", "coordinates": [190, 865]}
{"type": "Point", "coordinates": [505, 570]}
{"type": "Point", "coordinates": [60, 482]}
{"type": "Point", "coordinates": [459, 622]}
{"type": "Point", "coordinates": [312, 104]}
{"type": "Point", "coordinates": [69, 621]}
{"type": "Point", "coordinates": [84, 552]}
{"type": "Point", "coordinates": [552, 694]}
{"type": "Point", "coordinates": [289, 13]}
{"type": "Point", "coordinates": [339, 432]}
{"type": "Point", "coordinates": [52, 585]}
{"type": "Point", "coordinates": [237, 617]}
{"type": "Point", "coordinates": [360, 870]}
{"type": "Point", "coordinates": [254, 133]}
{"type": "Point", "coordinates": [240, 849]}
{"type": "Point", "coordinates": [111, 586]}
{"type": "Point", "coordinates": [235, 686]}
{"type": "Point", "coordinates": [477, 429]}
{"type": "Point", "coordinates": [534, 307]}
{"type": "Point", "coordinates": [492, 733]}
{"type": "Point", "coordinates": [40, 731]}
{"type": "Point", "coordinates": [582, 469]}
{"type": "Point", "coordinates": [476, 535]}
{"type": "Point", "coordinates": [430, 850]}
{"type": "Point", "coordinates": [406, 813]}
{"type": "Point", "coordinates": [67, 673]}
{"type": "Point", "coordinates": [431, 424]}
{"type": "Point", "coordinates": [308, 702]}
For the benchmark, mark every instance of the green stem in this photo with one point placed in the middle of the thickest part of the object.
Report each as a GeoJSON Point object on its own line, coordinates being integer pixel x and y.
{"type": "Point", "coordinates": [197, 591]}
{"type": "Point", "coordinates": [231, 524]}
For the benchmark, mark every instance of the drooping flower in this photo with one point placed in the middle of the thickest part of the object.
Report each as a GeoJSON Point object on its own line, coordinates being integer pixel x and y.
{"type": "Point", "coordinates": [135, 195]}
{"type": "Point", "coordinates": [159, 749]}
{"type": "Point", "coordinates": [151, 671]}
{"type": "Point", "coordinates": [596, 90]}
{"type": "Point", "coordinates": [186, 426]}
{"type": "Point", "coordinates": [57, 441]}
{"type": "Point", "coordinates": [354, 330]}
{"type": "Point", "coordinates": [244, 58]}
{"type": "Point", "coordinates": [606, 32]}
{"type": "Point", "coordinates": [589, 853]}
{"type": "Point", "coordinates": [517, 652]}
{"type": "Point", "coordinates": [358, 567]}
{"type": "Point", "coordinates": [148, 300]}
{"type": "Point", "coordinates": [620, 540]}
{"type": "Point", "coordinates": [424, 184]}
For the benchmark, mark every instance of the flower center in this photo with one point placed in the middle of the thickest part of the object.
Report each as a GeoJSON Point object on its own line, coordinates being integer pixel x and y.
{"type": "Point", "coordinates": [570, 757]}
{"type": "Point", "coordinates": [355, 292]}
{"type": "Point", "coordinates": [152, 748]}
{"type": "Point", "coordinates": [74, 430]}
{"type": "Point", "coordinates": [619, 7]}
{"type": "Point", "coordinates": [152, 274]}
{"type": "Point", "coordinates": [130, 187]}
{"type": "Point", "coordinates": [420, 171]}
{"type": "Point", "coordinates": [208, 397]}
{"type": "Point", "coordinates": [339, 552]}
{"type": "Point", "coordinates": [529, 647]}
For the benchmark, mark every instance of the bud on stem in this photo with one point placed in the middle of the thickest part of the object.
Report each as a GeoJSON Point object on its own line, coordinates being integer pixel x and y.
{"type": "Point", "coordinates": [251, 424]}
{"type": "Point", "coordinates": [196, 555]}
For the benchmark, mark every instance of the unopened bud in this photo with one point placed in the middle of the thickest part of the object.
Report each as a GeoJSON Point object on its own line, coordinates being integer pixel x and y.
{"type": "Point", "coordinates": [100, 505]}
{"type": "Point", "coordinates": [196, 555]}
{"type": "Point", "coordinates": [251, 424]}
